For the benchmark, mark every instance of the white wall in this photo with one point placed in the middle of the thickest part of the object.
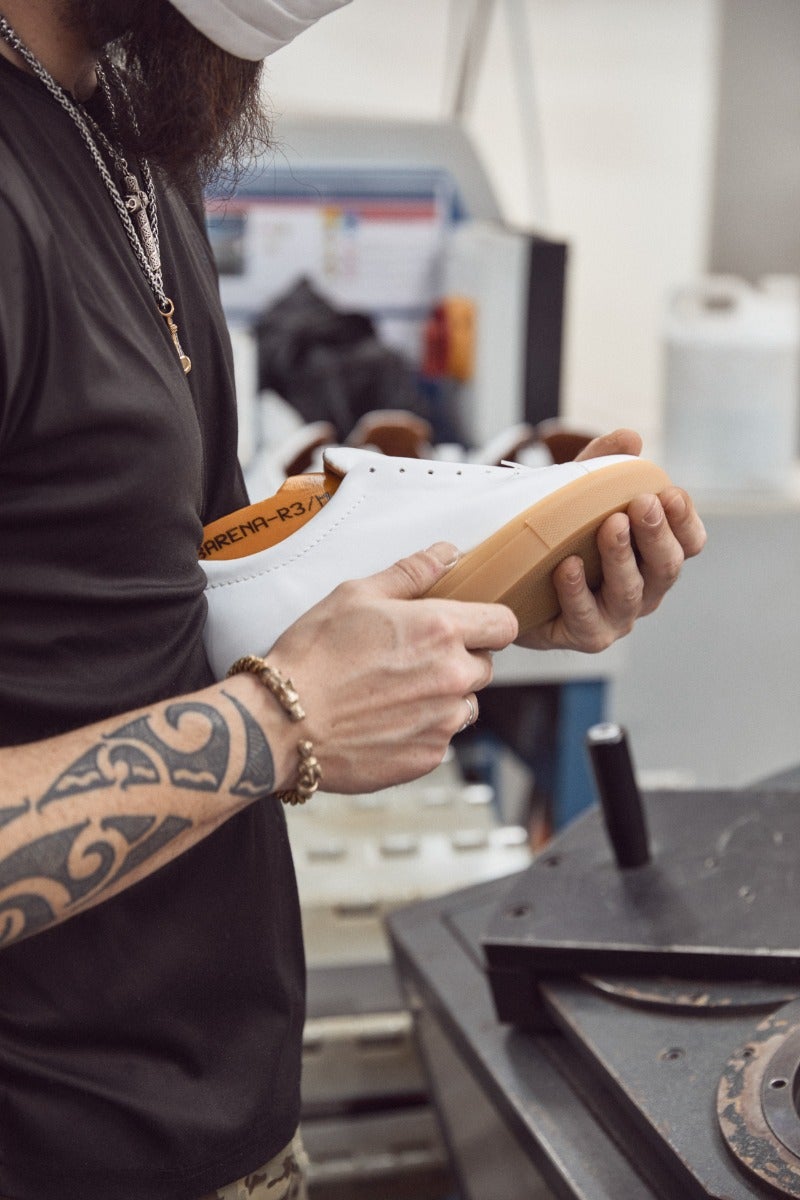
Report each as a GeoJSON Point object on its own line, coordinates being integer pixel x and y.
{"type": "Point", "coordinates": [625, 92]}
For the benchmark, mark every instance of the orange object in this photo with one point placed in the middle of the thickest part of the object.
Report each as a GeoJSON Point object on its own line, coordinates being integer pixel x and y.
{"type": "Point", "coordinates": [450, 340]}
{"type": "Point", "coordinates": [460, 322]}
{"type": "Point", "coordinates": [265, 524]}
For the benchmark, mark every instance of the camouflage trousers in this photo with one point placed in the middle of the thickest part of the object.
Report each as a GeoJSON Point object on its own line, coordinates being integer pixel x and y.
{"type": "Point", "coordinates": [282, 1178]}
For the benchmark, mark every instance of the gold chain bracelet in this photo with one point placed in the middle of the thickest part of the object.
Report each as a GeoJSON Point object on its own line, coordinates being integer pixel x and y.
{"type": "Point", "coordinates": [309, 772]}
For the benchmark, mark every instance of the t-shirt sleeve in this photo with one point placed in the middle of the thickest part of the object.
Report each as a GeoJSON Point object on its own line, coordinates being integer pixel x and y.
{"type": "Point", "coordinates": [20, 318]}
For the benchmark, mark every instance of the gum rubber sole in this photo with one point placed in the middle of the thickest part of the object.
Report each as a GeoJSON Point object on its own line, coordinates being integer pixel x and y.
{"type": "Point", "coordinates": [514, 566]}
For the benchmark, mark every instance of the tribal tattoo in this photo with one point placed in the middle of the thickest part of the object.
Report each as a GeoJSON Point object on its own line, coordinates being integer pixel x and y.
{"type": "Point", "coordinates": [135, 754]}
{"type": "Point", "coordinates": [59, 869]}
{"type": "Point", "coordinates": [258, 761]}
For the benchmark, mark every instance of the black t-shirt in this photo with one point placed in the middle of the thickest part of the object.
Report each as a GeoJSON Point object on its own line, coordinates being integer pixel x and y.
{"type": "Point", "coordinates": [150, 1047]}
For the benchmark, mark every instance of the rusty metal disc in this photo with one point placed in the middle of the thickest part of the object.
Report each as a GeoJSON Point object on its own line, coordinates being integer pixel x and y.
{"type": "Point", "coordinates": [757, 1102]}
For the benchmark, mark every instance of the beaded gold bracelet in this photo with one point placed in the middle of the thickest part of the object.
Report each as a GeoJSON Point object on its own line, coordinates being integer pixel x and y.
{"type": "Point", "coordinates": [309, 772]}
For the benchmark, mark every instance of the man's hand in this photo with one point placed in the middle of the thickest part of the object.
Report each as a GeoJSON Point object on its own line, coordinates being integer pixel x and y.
{"type": "Point", "coordinates": [386, 683]}
{"type": "Point", "coordinates": [642, 553]}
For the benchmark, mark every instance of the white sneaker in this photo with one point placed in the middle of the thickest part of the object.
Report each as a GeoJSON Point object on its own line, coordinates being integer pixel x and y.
{"type": "Point", "coordinates": [267, 564]}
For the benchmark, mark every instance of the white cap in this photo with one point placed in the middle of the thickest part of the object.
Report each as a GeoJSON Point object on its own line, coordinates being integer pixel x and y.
{"type": "Point", "coordinates": [254, 29]}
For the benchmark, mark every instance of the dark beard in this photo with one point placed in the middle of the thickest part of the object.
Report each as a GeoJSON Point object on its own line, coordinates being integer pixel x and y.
{"type": "Point", "coordinates": [199, 110]}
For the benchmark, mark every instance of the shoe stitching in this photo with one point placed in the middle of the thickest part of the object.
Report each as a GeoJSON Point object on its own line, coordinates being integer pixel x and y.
{"type": "Point", "coordinates": [286, 561]}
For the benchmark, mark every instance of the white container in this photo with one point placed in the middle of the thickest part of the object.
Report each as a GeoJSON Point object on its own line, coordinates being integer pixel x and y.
{"type": "Point", "coordinates": [731, 385]}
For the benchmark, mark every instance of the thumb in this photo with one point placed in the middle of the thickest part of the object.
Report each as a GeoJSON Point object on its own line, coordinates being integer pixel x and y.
{"type": "Point", "coordinates": [621, 441]}
{"type": "Point", "coordinates": [412, 577]}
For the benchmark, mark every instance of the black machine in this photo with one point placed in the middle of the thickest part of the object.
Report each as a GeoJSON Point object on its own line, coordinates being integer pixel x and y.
{"type": "Point", "coordinates": [629, 1006]}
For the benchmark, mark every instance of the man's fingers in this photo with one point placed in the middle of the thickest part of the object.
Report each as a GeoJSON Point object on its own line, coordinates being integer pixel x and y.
{"type": "Point", "coordinates": [661, 555]}
{"type": "Point", "coordinates": [485, 626]}
{"type": "Point", "coordinates": [413, 576]}
{"type": "Point", "coordinates": [684, 520]}
{"type": "Point", "coordinates": [580, 623]}
{"type": "Point", "coordinates": [622, 587]}
{"type": "Point", "coordinates": [484, 669]}
{"type": "Point", "coordinates": [479, 626]}
{"type": "Point", "coordinates": [653, 536]}
{"type": "Point", "coordinates": [621, 441]}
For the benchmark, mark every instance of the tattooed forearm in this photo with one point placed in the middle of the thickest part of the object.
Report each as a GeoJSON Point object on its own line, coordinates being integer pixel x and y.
{"type": "Point", "coordinates": [144, 848]}
{"type": "Point", "coordinates": [13, 811]}
{"type": "Point", "coordinates": [136, 754]}
{"type": "Point", "coordinates": [112, 813]}
{"type": "Point", "coordinates": [60, 869]}
{"type": "Point", "coordinates": [259, 771]}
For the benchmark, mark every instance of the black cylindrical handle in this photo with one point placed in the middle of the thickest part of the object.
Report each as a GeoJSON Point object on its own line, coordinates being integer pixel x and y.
{"type": "Point", "coordinates": [620, 798]}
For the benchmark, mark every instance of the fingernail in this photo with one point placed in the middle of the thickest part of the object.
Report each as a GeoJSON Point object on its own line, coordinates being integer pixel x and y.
{"type": "Point", "coordinates": [444, 553]}
{"type": "Point", "coordinates": [653, 514]}
{"type": "Point", "coordinates": [677, 507]}
{"type": "Point", "coordinates": [624, 537]}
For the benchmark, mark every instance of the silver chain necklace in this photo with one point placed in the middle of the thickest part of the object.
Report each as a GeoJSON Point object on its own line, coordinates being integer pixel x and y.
{"type": "Point", "coordinates": [139, 204]}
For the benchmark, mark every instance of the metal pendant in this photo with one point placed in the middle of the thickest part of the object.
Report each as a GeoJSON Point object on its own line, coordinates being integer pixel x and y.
{"type": "Point", "coordinates": [186, 362]}
{"type": "Point", "coordinates": [136, 203]}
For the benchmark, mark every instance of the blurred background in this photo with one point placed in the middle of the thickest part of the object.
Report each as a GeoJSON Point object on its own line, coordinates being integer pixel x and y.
{"type": "Point", "coordinates": [657, 142]}
{"type": "Point", "coordinates": [513, 219]}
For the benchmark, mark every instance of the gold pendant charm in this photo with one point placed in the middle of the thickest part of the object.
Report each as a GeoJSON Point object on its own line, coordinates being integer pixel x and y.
{"type": "Point", "coordinates": [167, 313]}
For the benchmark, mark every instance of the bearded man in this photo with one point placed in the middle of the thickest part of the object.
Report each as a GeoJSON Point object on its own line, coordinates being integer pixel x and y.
{"type": "Point", "coordinates": [151, 976]}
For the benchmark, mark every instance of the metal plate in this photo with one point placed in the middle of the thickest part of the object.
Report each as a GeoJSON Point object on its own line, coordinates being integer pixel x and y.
{"type": "Point", "coordinates": [718, 901]}
{"type": "Point", "coordinates": [662, 1070]}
